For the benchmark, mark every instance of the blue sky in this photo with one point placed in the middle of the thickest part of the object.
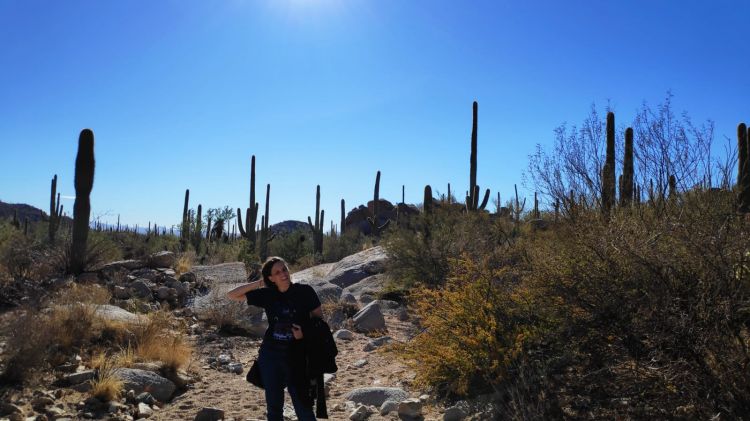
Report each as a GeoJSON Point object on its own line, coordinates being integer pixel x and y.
{"type": "Point", "coordinates": [181, 93]}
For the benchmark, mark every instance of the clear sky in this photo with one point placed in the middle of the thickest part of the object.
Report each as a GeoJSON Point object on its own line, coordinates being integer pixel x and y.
{"type": "Point", "coordinates": [181, 93]}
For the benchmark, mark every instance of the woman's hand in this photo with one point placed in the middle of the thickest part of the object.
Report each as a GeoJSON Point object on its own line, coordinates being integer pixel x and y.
{"type": "Point", "coordinates": [297, 331]}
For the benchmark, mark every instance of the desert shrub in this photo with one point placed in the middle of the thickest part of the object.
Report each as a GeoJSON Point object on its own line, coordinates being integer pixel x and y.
{"type": "Point", "coordinates": [472, 328]}
{"type": "Point", "coordinates": [663, 287]}
{"type": "Point", "coordinates": [219, 251]}
{"type": "Point", "coordinates": [337, 247]}
{"type": "Point", "coordinates": [291, 246]}
{"type": "Point", "coordinates": [25, 353]}
{"type": "Point", "coordinates": [157, 338]}
{"type": "Point", "coordinates": [421, 255]}
{"type": "Point", "coordinates": [184, 262]}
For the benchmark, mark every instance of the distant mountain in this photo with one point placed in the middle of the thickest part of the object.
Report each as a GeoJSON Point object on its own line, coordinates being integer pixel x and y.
{"type": "Point", "coordinates": [24, 211]}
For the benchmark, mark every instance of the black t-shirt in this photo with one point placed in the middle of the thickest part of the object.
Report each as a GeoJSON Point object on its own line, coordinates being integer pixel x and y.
{"type": "Point", "coordinates": [284, 308]}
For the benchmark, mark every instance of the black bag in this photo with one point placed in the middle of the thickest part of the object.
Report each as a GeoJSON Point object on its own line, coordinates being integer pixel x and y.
{"type": "Point", "coordinates": [253, 375]}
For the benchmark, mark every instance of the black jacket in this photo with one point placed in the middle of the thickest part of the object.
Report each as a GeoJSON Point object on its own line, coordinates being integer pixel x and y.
{"type": "Point", "coordinates": [320, 357]}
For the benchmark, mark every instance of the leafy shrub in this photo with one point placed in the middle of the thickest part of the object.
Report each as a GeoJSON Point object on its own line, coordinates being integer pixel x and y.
{"type": "Point", "coordinates": [473, 328]}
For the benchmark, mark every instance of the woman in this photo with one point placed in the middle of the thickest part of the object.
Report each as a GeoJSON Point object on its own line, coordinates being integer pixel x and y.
{"type": "Point", "coordinates": [288, 307]}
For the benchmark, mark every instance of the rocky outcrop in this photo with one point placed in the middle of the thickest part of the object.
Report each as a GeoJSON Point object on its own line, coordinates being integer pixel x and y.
{"type": "Point", "coordinates": [141, 380]}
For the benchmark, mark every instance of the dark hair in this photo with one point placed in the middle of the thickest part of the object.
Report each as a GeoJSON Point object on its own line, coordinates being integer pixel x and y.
{"type": "Point", "coordinates": [266, 270]}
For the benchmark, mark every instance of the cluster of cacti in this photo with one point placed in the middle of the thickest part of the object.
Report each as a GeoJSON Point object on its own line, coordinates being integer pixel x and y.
{"type": "Point", "coordinates": [376, 229]}
{"type": "Point", "coordinates": [743, 168]}
{"type": "Point", "coordinates": [251, 214]}
{"type": "Point", "coordinates": [317, 229]}
{"type": "Point", "coordinates": [630, 192]}
{"type": "Point", "coordinates": [472, 198]}
{"type": "Point", "coordinates": [84, 182]}
{"type": "Point", "coordinates": [55, 210]}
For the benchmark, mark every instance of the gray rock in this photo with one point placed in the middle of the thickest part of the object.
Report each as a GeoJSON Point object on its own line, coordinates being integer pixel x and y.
{"type": "Point", "coordinates": [387, 407]}
{"type": "Point", "coordinates": [410, 408]}
{"type": "Point", "coordinates": [235, 367]}
{"type": "Point", "coordinates": [142, 380]}
{"type": "Point", "coordinates": [209, 414]}
{"type": "Point", "coordinates": [123, 264]}
{"type": "Point", "coordinates": [141, 289]}
{"type": "Point", "coordinates": [79, 377]}
{"type": "Point", "coordinates": [352, 269]}
{"type": "Point", "coordinates": [369, 319]}
{"type": "Point", "coordinates": [376, 395]}
{"type": "Point", "coordinates": [361, 413]}
{"type": "Point", "coordinates": [144, 411]}
{"type": "Point", "coordinates": [344, 334]}
{"type": "Point", "coordinates": [162, 259]}
{"type": "Point", "coordinates": [360, 363]}
{"type": "Point", "coordinates": [377, 343]}
{"type": "Point", "coordinates": [348, 298]}
{"type": "Point", "coordinates": [370, 286]}
{"type": "Point", "coordinates": [454, 413]}
{"type": "Point", "coordinates": [225, 273]}
{"type": "Point", "coordinates": [327, 291]}
{"type": "Point", "coordinates": [117, 314]}
{"type": "Point", "coordinates": [121, 293]}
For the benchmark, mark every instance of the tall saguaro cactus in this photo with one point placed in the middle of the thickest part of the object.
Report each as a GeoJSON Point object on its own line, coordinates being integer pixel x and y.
{"type": "Point", "coordinates": [198, 234]}
{"type": "Point", "coordinates": [317, 229]}
{"type": "Point", "coordinates": [472, 199]}
{"type": "Point", "coordinates": [743, 172]}
{"type": "Point", "coordinates": [84, 183]}
{"type": "Point", "coordinates": [55, 210]}
{"type": "Point", "coordinates": [251, 214]}
{"type": "Point", "coordinates": [265, 232]}
{"type": "Point", "coordinates": [185, 227]}
{"type": "Point", "coordinates": [626, 187]}
{"type": "Point", "coordinates": [608, 171]}
{"type": "Point", "coordinates": [376, 229]}
{"type": "Point", "coordinates": [343, 216]}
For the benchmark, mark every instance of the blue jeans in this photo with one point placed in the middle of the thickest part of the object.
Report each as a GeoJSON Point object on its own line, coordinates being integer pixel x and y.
{"type": "Point", "coordinates": [276, 374]}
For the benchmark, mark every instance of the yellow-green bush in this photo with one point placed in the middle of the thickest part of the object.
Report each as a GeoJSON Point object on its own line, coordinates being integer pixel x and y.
{"type": "Point", "coordinates": [473, 328]}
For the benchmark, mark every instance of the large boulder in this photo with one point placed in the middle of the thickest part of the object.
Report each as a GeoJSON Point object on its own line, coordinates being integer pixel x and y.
{"type": "Point", "coordinates": [162, 259]}
{"type": "Point", "coordinates": [224, 273]}
{"type": "Point", "coordinates": [216, 308]}
{"type": "Point", "coordinates": [371, 286]}
{"type": "Point", "coordinates": [346, 272]}
{"type": "Point", "coordinates": [146, 381]}
{"type": "Point", "coordinates": [117, 314]}
{"type": "Point", "coordinates": [369, 319]}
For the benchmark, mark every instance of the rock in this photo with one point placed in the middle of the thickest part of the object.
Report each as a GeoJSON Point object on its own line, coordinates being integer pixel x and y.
{"type": "Point", "coordinates": [371, 286]}
{"type": "Point", "coordinates": [387, 407]}
{"type": "Point", "coordinates": [209, 414]}
{"type": "Point", "coordinates": [188, 277]}
{"type": "Point", "coordinates": [344, 334]}
{"type": "Point", "coordinates": [16, 417]}
{"type": "Point", "coordinates": [162, 259]}
{"type": "Point", "coordinates": [146, 398]}
{"type": "Point", "coordinates": [141, 289]}
{"type": "Point", "coordinates": [359, 363]}
{"type": "Point", "coordinates": [141, 380]}
{"type": "Point", "coordinates": [122, 264]}
{"type": "Point", "coordinates": [117, 314]}
{"type": "Point", "coordinates": [7, 408]}
{"type": "Point", "coordinates": [410, 408]}
{"type": "Point", "coordinates": [360, 414]}
{"type": "Point", "coordinates": [144, 411]}
{"type": "Point", "coordinates": [376, 395]}
{"type": "Point", "coordinates": [369, 319]}
{"type": "Point", "coordinates": [121, 293]}
{"type": "Point", "coordinates": [377, 343]}
{"type": "Point", "coordinates": [235, 367]}
{"type": "Point", "coordinates": [41, 402]}
{"type": "Point", "coordinates": [225, 273]}
{"type": "Point", "coordinates": [327, 291]}
{"type": "Point", "coordinates": [352, 269]}
{"type": "Point", "coordinates": [78, 378]}
{"type": "Point", "coordinates": [348, 298]}
{"type": "Point", "coordinates": [454, 413]}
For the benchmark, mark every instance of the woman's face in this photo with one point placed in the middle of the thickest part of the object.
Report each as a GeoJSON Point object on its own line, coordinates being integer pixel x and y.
{"type": "Point", "coordinates": [280, 276]}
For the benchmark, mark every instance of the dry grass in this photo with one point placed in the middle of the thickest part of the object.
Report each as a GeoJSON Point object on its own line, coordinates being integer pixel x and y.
{"type": "Point", "coordinates": [156, 340]}
{"type": "Point", "coordinates": [106, 386]}
{"type": "Point", "coordinates": [184, 262]}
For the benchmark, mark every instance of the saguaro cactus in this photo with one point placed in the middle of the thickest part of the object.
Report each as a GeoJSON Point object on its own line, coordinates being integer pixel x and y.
{"type": "Point", "coordinates": [376, 229]}
{"type": "Point", "coordinates": [317, 229]}
{"type": "Point", "coordinates": [198, 234]}
{"type": "Point", "coordinates": [608, 171]}
{"type": "Point", "coordinates": [427, 201]}
{"type": "Point", "coordinates": [626, 186]}
{"type": "Point", "coordinates": [84, 182]}
{"type": "Point", "coordinates": [185, 227]}
{"type": "Point", "coordinates": [55, 210]}
{"type": "Point", "coordinates": [343, 216]}
{"type": "Point", "coordinates": [265, 231]}
{"type": "Point", "coordinates": [743, 169]}
{"type": "Point", "coordinates": [251, 214]}
{"type": "Point", "coordinates": [472, 199]}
